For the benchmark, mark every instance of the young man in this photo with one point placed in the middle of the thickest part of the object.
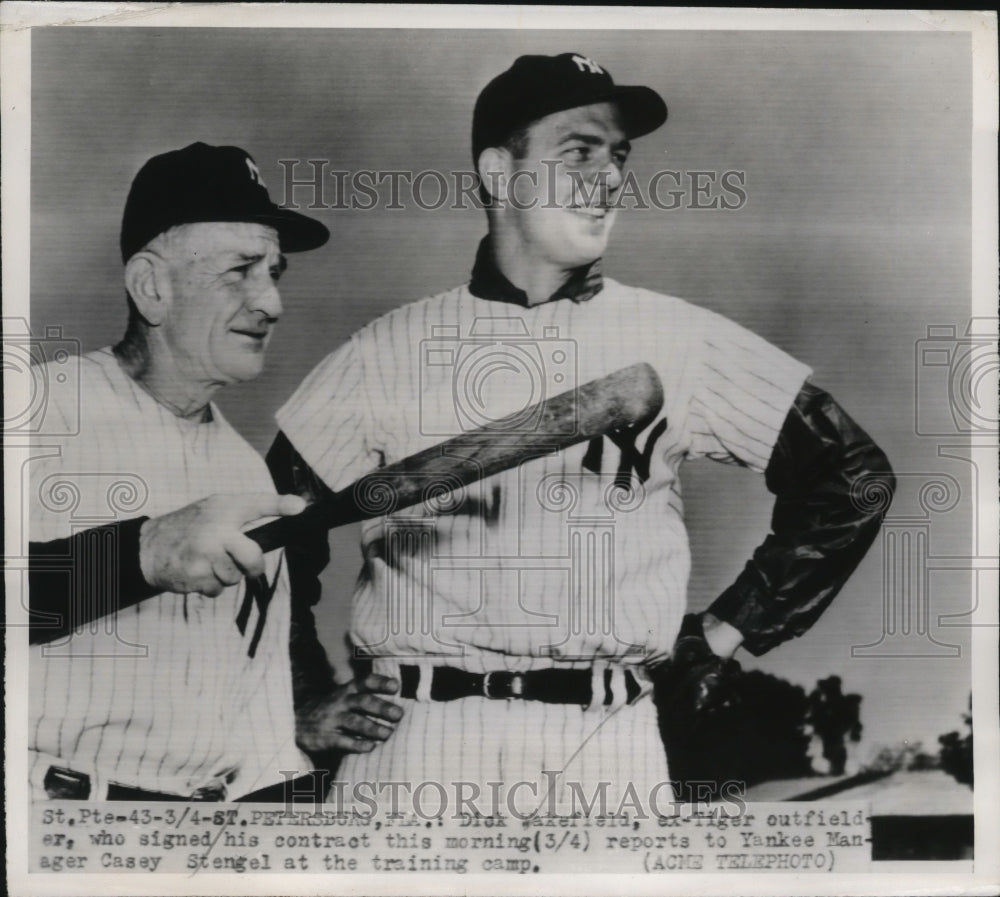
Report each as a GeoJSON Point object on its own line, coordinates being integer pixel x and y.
{"type": "Point", "coordinates": [556, 587]}
{"type": "Point", "coordinates": [160, 667]}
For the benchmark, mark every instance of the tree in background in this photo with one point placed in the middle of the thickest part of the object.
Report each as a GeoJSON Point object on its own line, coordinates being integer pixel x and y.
{"type": "Point", "coordinates": [956, 751]}
{"type": "Point", "coordinates": [834, 717]}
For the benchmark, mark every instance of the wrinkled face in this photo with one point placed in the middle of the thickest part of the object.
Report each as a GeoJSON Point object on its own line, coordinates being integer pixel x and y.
{"type": "Point", "coordinates": [562, 191]}
{"type": "Point", "coordinates": [224, 299]}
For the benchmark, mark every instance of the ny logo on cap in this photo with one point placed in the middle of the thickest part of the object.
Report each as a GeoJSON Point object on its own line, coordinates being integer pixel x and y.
{"type": "Point", "coordinates": [255, 172]}
{"type": "Point", "coordinates": [585, 65]}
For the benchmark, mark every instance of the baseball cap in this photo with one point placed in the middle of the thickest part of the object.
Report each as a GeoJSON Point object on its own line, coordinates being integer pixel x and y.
{"type": "Point", "coordinates": [536, 86]}
{"type": "Point", "coordinates": [208, 183]}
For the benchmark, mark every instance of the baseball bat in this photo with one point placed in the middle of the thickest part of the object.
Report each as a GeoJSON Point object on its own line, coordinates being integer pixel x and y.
{"type": "Point", "coordinates": [630, 397]}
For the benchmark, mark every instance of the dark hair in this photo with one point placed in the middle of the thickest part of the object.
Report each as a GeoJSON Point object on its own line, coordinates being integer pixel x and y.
{"type": "Point", "coordinates": [516, 143]}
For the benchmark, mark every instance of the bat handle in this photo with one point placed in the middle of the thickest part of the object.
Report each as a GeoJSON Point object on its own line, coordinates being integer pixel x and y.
{"type": "Point", "coordinates": [273, 534]}
{"type": "Point", "coordinates": [283, 531]}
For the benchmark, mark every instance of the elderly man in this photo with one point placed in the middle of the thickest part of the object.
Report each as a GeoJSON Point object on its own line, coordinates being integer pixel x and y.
{"type": "Point", "coordinates": [160, 667]}
{"type": "Point", "coordinates": [524, 617]}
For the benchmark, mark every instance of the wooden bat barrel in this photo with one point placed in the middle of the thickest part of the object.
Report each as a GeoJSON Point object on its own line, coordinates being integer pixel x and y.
{"type": "Point", "coordinates": [629, 398]}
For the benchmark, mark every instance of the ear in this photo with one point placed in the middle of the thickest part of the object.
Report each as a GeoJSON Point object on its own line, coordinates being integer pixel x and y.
{"type": "Point", "coordinates": [494, 169]}
{"type": "Point", "coordinates": [148, 284]}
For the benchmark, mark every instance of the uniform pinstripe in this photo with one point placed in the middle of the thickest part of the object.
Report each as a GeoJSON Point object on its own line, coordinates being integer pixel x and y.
{"type": "Point", "coordinates": [550, 564]}
{"type": "Point", "coordinates": [192, 708]}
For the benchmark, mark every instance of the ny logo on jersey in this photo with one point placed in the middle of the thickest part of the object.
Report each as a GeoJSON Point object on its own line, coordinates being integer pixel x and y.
{"type": "Point", "coordinates": [588, 65]}
{"type": "Point", "coordinates": [254, 172]}
{"type": "Point", "coordinates": [260, 592]}
{"type": "Point", "coordinates": [632, 459]}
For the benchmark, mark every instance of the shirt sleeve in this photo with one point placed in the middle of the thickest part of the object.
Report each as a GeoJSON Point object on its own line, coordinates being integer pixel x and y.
{"type": "Point", "coordinates": [77, 577]}
{"type": "Point", "coordinates": [328, 418]}
{"type": "Point", "coordinates": [742, 389]}
{"type": "Point", "coordinates": [84, 577]}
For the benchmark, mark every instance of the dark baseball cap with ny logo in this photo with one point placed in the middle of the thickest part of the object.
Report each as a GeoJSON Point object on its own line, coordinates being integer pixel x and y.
{"type": "Point", "coordinates": [203, 183]}
{"type": "Point", "coordinates": [536, 86]}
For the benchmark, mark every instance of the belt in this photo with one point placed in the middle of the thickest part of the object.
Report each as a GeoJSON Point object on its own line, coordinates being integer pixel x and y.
{"type": "Point", "coordinates": [550, 686]}
{"type": "Point", "coordinates": [66, 784]}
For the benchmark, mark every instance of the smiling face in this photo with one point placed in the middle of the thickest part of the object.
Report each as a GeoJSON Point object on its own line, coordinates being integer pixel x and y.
{"type": "Point", "coordinates": [224, 299]}
{"type": "Point", "coordinates": [562, 191]}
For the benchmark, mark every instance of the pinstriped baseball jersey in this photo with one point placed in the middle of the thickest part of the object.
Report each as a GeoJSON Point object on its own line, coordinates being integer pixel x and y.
{"type": "Point", "coordinates": [164, 695]}
{"type": "Point", "coordinates": [554, 561]}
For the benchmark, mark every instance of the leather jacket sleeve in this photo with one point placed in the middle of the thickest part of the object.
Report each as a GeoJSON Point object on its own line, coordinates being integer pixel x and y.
{"type": "Point", "coordinates": [821, 526]}
{"type": "Point", "coordinates": [312, 675]}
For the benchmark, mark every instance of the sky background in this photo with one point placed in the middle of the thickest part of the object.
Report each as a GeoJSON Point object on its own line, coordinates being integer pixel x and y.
{"type": "Point", "coordinates": [854, 239]}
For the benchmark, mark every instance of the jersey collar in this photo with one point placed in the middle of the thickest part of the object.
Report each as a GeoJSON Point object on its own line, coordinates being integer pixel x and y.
{"type": "Point", "coordinates": [488, 282]}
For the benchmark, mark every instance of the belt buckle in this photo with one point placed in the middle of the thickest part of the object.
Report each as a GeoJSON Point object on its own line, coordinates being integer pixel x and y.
{"type": "Point", "coordinates": [512, 687]}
